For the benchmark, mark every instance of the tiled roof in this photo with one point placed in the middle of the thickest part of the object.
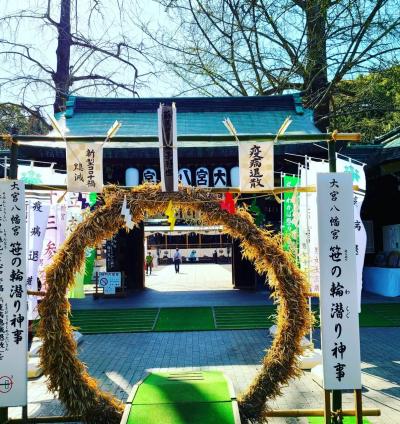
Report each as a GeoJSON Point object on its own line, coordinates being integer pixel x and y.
{"type": "Point", "coordinates": [195, 116]}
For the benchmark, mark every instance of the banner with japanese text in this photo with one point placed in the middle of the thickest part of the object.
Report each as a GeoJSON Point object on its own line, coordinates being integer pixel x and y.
{"type": "Point", "coordinates": [308, 229]}
{"type": "Point", "coordinates": [74, 217]}
{"type": "Point", "coordinates": [85, 167]}
{"type": "Point", "coordinates": [340, 340]}
{"type": "Point", "coordinates": [358, 176]}
{"type": "Point", "coordinates": [290, 216]}
{"type": "Point", "coordinates": [38, 214]}
{"type": "Point", "coordinates": [256, 166]}
{"type": "Point", "coordinates": [13, 296]}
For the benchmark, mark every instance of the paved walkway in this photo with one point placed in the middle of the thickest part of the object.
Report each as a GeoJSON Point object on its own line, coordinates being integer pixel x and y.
{"type": "Point", "coordinates": [118, 361]}
{"type": "Point", "coordinates": [195, 285]}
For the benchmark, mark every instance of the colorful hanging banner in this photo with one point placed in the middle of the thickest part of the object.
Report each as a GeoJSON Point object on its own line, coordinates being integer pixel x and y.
{"type": "Point", "coordinates": [74, 217]}
{"type": "Point", "coordinates": [85, 167]}
{"type": "Point", "coordinates": [90, 254]}
{"type": "Point", "coordinates": [290, 216]}
{"type": "Point", "coordinates": [170, 213]}
{"type": "Point", "coordinates": [126, 213]}
{"type": "Point", "coordinates": [13, 311]}
{"type": "Point", "coordinates": [256, 163]}
{"type": "Point", "coordinates": [228, 203]}
{"type": "Point", "coordinates": [255, 210]}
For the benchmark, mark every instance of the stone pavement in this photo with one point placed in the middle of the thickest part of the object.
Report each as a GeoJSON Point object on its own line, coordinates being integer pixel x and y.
{"type": "Point", "coordinates": [118, 361]}
{"type": "Point", "coordinates": [195, 285]}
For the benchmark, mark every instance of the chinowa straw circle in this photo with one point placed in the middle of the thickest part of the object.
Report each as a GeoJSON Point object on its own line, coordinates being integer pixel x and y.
{"type": "Point", "coordinates": [68, 375]}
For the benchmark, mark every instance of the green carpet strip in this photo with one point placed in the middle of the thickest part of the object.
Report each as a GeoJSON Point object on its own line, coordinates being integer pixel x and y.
{"type": "Point", "coordinates": [197, 397]}
{"type": "Point", "coordinates": [115, 320]}
{"type": "Point", "coordinates": [207, 318]}
{"type": "Point", "coordinates": [243, 317]}
{"type": "Point", "coordinates": [185, 319]}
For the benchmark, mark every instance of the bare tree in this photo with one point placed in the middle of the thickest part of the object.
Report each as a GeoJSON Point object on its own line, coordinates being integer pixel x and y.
{"type": "Point", "coordinates": [237, 47]}
{"type": "Point", "coordinates": [85, 50]}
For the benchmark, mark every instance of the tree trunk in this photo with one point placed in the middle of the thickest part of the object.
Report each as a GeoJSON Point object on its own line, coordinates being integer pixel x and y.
{"type": "Point", "coordinates": [61, 77]}
{"type": "Point", "coordinates": [316, 80]}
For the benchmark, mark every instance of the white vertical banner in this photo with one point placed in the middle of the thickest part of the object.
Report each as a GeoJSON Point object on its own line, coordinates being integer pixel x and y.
{"type": "Point", "coordinates": [13, 297]}
{"type": "Point", "coordinates": [49, 246]}
{"type": "Point", "coordinates": [308, 227]}
{"type": "Point", "coordinates": [85, 167]}
{"type": "Point", "coordinates": [256, 166]}
{"type": "Point", "coordinates": [314, 167]}
{"type": "Point", "coordinates": [340, 338]}
{"type": "Point", "coordinates": [38, 213]}
{"type": "Point", "coordinates": [358, 176]}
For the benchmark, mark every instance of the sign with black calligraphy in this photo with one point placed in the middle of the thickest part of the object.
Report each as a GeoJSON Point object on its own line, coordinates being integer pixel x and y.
{"type": "Point", "coordinates": [185, 177]}
{"type": "Point", "coordinates": [150, 176]}
{"type": "Point", "coordinates": [338, 289]}
{"type": "Point", "coordinates": [13, 309]}
{"type": "Point", "coordinates": [256, 163]}
{"type": "Point", "coordinates": [38, 214]}
{"type": "Point", "coordinates": [220, 177]}
{"type": "Point", "coordinates": [85, 167]}
{"type": "Point", "coordinates": [202, 177]}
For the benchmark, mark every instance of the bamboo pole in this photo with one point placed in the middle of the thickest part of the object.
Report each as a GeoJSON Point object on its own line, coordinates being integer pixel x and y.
{"type": "Point", "coordinates": [367, 412]}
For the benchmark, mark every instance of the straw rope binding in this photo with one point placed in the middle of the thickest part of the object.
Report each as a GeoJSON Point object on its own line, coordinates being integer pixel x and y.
{"type": "Point", "coordinates": [68, 376]}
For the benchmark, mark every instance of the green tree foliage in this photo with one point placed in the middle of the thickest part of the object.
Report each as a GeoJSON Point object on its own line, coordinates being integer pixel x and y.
{"type": "Point", "coordinates": [368, 104]}
{"type": "Point", "coordinates": [14, 120]}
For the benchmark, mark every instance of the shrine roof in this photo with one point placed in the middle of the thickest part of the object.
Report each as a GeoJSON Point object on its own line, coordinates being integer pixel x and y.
{"type": "Point", "coordinates": [198, 116]}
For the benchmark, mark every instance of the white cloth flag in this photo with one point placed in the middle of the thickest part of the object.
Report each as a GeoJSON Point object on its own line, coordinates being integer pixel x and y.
{"type": "Point", "coordinates": [38, 214]}
{"type": "Point", "coordinates": [49, 246]}
{"type": "Point", "coordinates": [358, 174]}
{"type": "Point", "coordinates": [85, 167]}
{"type": "Point", "coordinates": [309, 247]}
{"type": "Point", "coordinates": [256, 163]}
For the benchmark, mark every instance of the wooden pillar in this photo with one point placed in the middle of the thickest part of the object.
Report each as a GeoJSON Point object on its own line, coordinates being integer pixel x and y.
{"type": "Point", "coordinates": [130, 255]}
{"type": "Point", "coordinates": [244, 275]}
{"type": "Point", "coordinates": [358, 406]}
{"type": "Point", "coordinates": [327, 407]}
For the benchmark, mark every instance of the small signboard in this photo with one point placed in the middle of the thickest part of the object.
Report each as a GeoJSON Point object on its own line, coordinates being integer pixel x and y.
{"type": "Point", "coordinates": [13, 301]}
{"type": "Point", "coordinates": [109, 281]}
{"type": "Point", "coordinates": [338, 290]}
{"type": "Point", "coordinates": [85, 167]}
{"type": "Point", "coordinates": [256, 163]}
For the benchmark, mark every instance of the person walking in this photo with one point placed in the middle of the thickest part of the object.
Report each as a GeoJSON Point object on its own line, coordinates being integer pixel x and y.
{"type": "Point", "coordinates": [215, 256]}
{"type": "Point", "coordinates": [177, 260]}
{"type": "Point", "coordinates": [149, 263]}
